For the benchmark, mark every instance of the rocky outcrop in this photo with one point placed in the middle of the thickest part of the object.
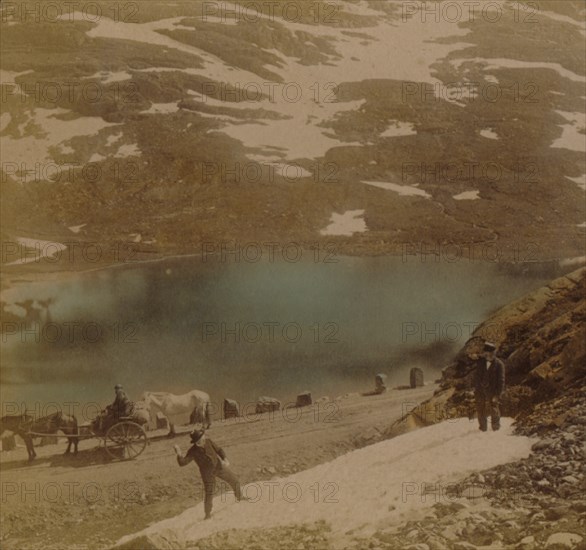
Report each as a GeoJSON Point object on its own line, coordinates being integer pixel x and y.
{"type": "Point", "coordinates": [542, 339]}
{"type": "Point", "coordinates": [536, 502]}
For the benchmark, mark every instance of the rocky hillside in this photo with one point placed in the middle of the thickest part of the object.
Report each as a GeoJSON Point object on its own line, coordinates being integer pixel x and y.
{"type": "Point", "coordinates": [162, 126]}
{"type": "Point", "coordinates": [537, 502]}
{"type": "Point", "coordinates": [542, 339]}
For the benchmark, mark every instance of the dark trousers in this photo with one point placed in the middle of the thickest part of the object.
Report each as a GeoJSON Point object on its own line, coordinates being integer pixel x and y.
{"type": "Point", "coordinates": [209, 483]}
{"type": "Point", "coordinates": [485, 406]}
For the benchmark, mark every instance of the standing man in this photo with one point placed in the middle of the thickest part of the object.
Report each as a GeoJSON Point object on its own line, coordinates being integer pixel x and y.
{"type": "Point", "coordinates": [212, 463]}
{"type": "Point", "coordinates": [489, 384]}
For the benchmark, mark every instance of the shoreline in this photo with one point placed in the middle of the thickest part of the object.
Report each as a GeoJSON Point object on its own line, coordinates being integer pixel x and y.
{"type": "Point", "coordinates": [7, 279]}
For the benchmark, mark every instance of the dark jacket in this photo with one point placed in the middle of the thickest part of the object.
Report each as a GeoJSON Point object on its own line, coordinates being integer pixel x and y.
{"type": "Point", "coordinates": [207, 458]}
{"type": "Point", "coordinates": [122, 406]}
{"type": "Point", "coordinates": [489, 382]}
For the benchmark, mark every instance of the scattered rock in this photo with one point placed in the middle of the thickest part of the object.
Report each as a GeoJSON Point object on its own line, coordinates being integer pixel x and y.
{"type": "Point", "coordinates": [416, 377]}
{"type": "Point", "coordinates": [303, 399]}
{"type": "Point", "coordinates": [560, 541]}
{"type": "Point", "coordinates": [231, 408]}
{"type": "Point", "coordinates": [267, 404]}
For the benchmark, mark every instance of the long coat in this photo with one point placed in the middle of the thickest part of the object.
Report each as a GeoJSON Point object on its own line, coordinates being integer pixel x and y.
{"type": "Point", "coordinates": [207, 458]}
{"type": "Point", "coordinates": [122, 406]}
{"type": "Point", "coordinates": [489, 382]}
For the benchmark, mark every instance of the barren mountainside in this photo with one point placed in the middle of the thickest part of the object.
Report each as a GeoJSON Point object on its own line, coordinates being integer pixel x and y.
{"type": "Point", "coordinates": [367, 124]}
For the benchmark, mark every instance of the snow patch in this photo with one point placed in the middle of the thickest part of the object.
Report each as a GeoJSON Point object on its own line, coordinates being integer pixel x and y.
{"type": "Point", "coordinates": [113, 138]}
{"type": "Point", "coordinates": [399, 129]}
{"type": "Point", "coordinates": [311, 103]}
{"type": "Point", "coordinates": [568, 262]}
{"type": "Point", "coordinates": [375, 476]}
{"type": "Point", "coordinates": [224, 20]}
{"type": "Point", "coordinates": [162, 108]}
{"type": "Point", "coordinates": [66, 149]}
{"type": "Point", "coordinates": [33, 250]}
{"type": "Point", "coordinates": [108, 77]}
{"type": "Point", "coordinates": [345, 224]}
{"type": "Point", "coordinates": [403, 190]}
{"type": "Point", "coordinates": [5, 119]}
{"type": "Point", "coordinates": [562, 18]}
{"type": "Point", "coordinates": [17, 310]}
{"type": "Point", "coordinates": [498, 63]}
{"type": "Point", "coordinates": [571, 137]}
{"type": "Point", "coordinates": [128, 150]}
{"type": "Point", "coordinates": [467, 196]}
{"type": "Point", "coordinates": [77, 228]}
{"type": "Point", "coordinates": [30, 150]}
{"type": "Point", "coordinates": [489, 134]}
{"type": "Point", "coordinates": [96, 157]}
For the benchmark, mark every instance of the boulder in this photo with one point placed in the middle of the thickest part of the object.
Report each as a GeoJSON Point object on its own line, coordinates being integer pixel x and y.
{"type": "Point", "coordinates": [231, 408]}
{"type": "Point", "coordinates": [267, 404]}
{"type": "Point", "coordinates": [563, 540]}
{"type": "Point", "coordinates": [303, 399]}
{"type": "Point", "coordinates": [380, 383]}
{"type": "Point", "coordinates": [416, 377]}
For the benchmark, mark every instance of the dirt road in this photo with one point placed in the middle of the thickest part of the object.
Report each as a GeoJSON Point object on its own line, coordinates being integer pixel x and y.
{"type": "Point", "coordinates": [87, 501]}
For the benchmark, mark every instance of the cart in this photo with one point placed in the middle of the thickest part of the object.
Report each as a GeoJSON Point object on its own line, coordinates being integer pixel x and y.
{"type": "Point", "coordinates": [123, 440]}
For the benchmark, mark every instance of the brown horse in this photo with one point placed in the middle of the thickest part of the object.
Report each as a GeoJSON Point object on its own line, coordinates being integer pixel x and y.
{"type": "Point", "coordinates": [20, 425]}
{"type": "Point", "coordinates": [50, 425]}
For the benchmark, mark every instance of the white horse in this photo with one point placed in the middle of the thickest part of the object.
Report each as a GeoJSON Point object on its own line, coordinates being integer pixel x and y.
{"type": "Point", "coordinates": [196, 403]}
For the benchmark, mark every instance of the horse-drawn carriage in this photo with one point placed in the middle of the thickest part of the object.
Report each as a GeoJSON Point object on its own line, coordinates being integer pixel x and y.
{"type": "Point", "coordinates": [124, 438]}
{"type": "Point", "coordinates": [122, 433]}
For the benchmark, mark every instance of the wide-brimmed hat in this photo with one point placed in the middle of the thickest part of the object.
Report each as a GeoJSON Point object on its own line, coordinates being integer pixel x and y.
{"type": "Point", "coordinates": [489, 346]}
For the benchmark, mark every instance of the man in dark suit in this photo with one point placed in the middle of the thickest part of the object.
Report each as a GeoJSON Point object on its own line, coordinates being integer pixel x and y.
{"type": "Point", "coordinates": [212, 463]}
{"type": "Point", "coordinates": [122, 406]}
{"type": "Point", "coordinates": [489, 385]}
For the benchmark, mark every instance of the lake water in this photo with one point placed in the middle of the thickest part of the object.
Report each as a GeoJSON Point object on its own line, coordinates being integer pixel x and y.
{"type": "Point", "coordinates": [241, 330]}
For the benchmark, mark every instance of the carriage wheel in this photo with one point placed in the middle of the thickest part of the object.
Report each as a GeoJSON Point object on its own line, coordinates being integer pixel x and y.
{"type": "Point", "coordinates": [125, 440]}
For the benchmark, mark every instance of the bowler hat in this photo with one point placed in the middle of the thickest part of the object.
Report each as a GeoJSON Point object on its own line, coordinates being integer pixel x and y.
{"type": "Point", "coordinates": [196, 435]}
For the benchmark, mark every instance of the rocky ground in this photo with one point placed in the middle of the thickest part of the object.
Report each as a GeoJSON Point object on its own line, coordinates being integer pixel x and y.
{"type": "Point", "coordinates": [156, 200]}
{"type": "Point", "coordinates": [531, 504]}
{"type": "Point", "coordinates": [88, 502]}
{"type": "Point", "coordinates": [537, 502]}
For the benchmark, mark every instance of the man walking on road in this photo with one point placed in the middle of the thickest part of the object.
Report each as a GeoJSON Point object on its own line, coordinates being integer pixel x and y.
{"type": "Point", "coordinates": [212, 463]}
{"type": "Point", "coordinates": [489, 384]}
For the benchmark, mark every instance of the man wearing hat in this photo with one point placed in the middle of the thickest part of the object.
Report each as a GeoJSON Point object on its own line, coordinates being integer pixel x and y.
{"type": "Point", "coordinates": [122, 406]}
{"type": "Point", "coordinates": [489, 384]}
{"type": "Point", "coordinates": [212, 463]}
